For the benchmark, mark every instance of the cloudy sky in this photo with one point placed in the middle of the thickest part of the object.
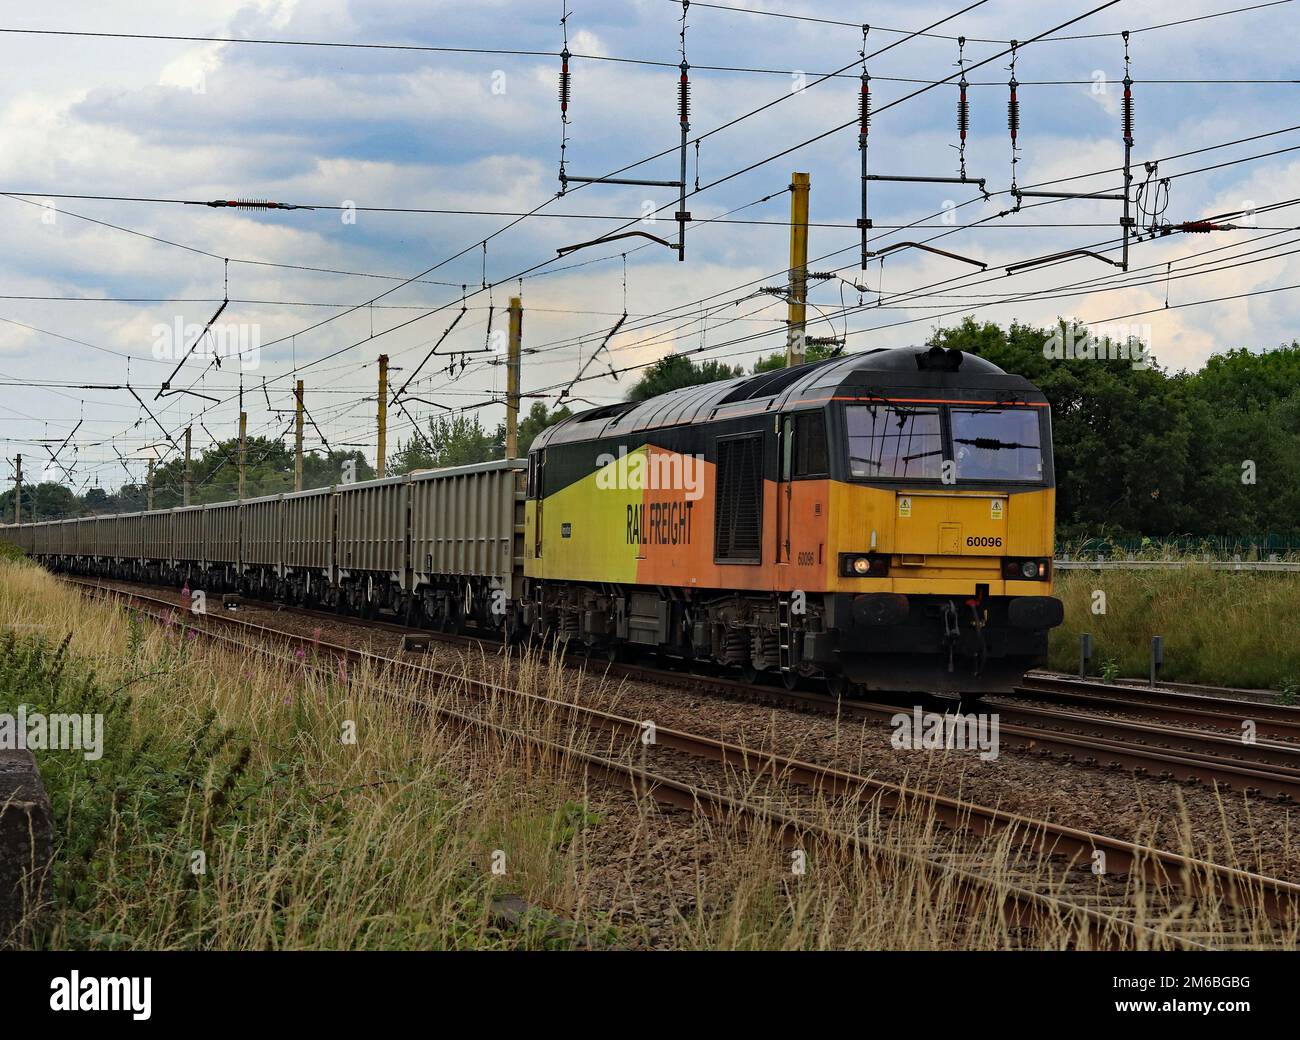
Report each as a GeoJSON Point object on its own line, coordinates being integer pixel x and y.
{"type": "Point", "coordinates": [96, 289]}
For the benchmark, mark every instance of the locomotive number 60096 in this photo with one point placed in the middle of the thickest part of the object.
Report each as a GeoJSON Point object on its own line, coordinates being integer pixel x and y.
{"type": "Point", "coordinates": [984, 542]}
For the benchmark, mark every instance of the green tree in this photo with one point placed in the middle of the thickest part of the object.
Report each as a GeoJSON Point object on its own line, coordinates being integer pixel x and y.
{"type": "Point", "coordinates": [1122, 435]}
{"type": "Point", "coordinates": [47, 500]}
{"type": "Point", "coordinates": [539, 417]}
{"type": "Point", "coordinates": [215, 473]}
{"type": "Point", "coordinates": [813, 352]}
{"type": "Point", "coordinates": [676, 371]}
{"type": "Point", "coordinates": [335, 467]}
{"type": "Point", "coordinates": [457, 440]}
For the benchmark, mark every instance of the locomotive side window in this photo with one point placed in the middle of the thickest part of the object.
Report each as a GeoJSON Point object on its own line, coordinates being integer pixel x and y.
{"type": "Point", "coordinates": [738, 502]}
{"type": "Point", "coordinates": [535, 470]}
{"type": "Point", "coordinates": [810, 457]}
{"type": "Point", "coordinates": [997, 444]}
{"type": "Point", "coordinates": [894, 441]}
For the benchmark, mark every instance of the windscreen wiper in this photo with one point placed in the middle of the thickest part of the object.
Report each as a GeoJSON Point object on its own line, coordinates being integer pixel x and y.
{"type": "Point", "coordinates": [993, 444]}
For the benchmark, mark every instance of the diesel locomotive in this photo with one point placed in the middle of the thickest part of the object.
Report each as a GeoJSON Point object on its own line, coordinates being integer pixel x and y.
{"type": "Point", "coordinates": [882, 520]}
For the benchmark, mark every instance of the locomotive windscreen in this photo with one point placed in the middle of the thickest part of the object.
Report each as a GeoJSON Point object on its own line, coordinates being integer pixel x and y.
{"type": "Point", "coordinates": [900, 441]}
{"type": "Point", "coordinates": [894, 441]}
{"type": "Point", "coordinates": [997, 443]}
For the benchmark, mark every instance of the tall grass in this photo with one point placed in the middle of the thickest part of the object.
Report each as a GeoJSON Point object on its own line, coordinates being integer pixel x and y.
{"type": "Point", "coordinates": [1224, 628]}
{"type": "Point", "coordinates": [312, 842]}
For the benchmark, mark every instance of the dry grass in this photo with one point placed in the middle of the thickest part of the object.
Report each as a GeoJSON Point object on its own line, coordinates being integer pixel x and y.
{"type": "Point", "coordinates": [313, 842]}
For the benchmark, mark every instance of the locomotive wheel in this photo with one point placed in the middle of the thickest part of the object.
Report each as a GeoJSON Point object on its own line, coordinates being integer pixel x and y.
{"type": "Point", "coordinates": [512, 632]}
{"type": "Point", "coordinates": [791, 680]}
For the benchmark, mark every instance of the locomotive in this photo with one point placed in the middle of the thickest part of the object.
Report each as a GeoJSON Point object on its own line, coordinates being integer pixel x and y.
{"type": "Point", "coordinates": [881, 521]}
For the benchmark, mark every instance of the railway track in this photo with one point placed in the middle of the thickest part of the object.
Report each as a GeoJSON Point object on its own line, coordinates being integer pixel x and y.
{"type": "Point", "coordinates": [1274, 721]}
{"type": "Point", "coordinates": [1164, 752]}
{"type": "Point", "coordinates": [1090, 904]}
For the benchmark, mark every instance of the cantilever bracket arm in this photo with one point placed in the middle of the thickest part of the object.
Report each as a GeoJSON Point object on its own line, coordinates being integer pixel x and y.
{"type": "Point", "coordinates": [930, 249]}
{"type": "Point", "coordinates": [612, 238]}
{"type": "Point", "coordinates": [1062, 256]}
{"type": "Point", "coordinates": [1063, 195]}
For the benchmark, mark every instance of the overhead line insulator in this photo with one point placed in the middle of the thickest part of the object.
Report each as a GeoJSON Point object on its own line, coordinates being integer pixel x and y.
{"type": "Point", "coordinates": [251, 204]}
{"type": "Point", "coordinates": [1128, 110]}
{"type": "Point", "coordinates": [1200, 227]}
{"type": "Point", "coordinates": [564, 82]}
{"type": "Point", "coordinates": [684, 98]}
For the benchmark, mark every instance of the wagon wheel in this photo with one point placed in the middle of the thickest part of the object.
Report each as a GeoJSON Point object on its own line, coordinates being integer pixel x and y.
{"type": "Point", "coordinates": [442, 617]}
{"type": "Point", "coordinates": [455, 619]}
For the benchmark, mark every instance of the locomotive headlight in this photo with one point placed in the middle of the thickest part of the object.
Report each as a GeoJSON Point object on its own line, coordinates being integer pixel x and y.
{"type": "Point", "coordinates": [1029, 569]}
{"type": "Point", "coordinates": [864, 565]}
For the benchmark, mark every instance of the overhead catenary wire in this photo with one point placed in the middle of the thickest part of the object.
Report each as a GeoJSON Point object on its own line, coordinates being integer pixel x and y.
{"type": "Point", "coordinates": [534, 53]}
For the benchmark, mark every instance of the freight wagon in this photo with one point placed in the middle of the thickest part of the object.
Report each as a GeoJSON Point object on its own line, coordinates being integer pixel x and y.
{"type": "Point", "coordinates": [434, 547]}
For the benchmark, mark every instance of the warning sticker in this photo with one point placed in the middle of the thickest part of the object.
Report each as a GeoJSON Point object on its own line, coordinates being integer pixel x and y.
{"type": "Point", "coordinates": [995, 509]}
{"type": "Point", "coordinates": [904, 507]}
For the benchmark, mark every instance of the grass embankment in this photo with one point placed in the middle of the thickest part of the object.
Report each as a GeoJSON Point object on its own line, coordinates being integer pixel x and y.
{"type": "Point", "coordinates": [1223, 628]}
{"type": "Point", "coordinates": [307, 839]}
{"type": "Point", "coordinates": [314, 842]}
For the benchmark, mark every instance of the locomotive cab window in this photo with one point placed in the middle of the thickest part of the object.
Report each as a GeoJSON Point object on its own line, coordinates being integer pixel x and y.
{"type": "Point", "coordinates": [894, 441]}
{"type": "Point", "coordinates": [997, 444]}
{"type": "Point", "coordinates": [535, 465]}
{"type": "Point", "coordinates": [803, 445]}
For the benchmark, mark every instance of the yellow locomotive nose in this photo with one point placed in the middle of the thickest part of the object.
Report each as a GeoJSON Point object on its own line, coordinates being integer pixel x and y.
{"type": "Point", "coordinates": [951, 523]}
